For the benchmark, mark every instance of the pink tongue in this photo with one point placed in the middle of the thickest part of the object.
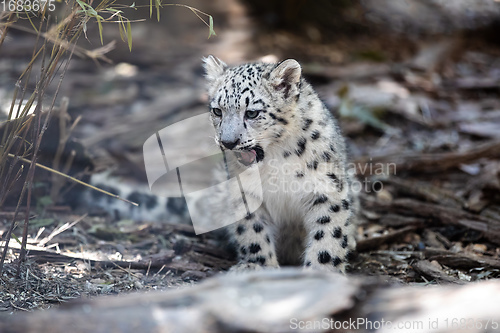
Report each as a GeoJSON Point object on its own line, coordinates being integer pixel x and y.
{"type": "Point", "coordinates": [247, 156]}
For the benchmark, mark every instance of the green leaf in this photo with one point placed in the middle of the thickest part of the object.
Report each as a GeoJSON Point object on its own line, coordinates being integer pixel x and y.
{"type": "Point", "coordinates": [129, 35]}
{"type": "Point", "coordinates": [82, 4]}
{"type": "Point", "coordinates": [17, 239]}
{"type": "Point", "coordinates": [211, 31]}
{"type": "Point", "coordinates": [348, 110]}
{"type": "Point", "coordinates": [158, 5]}
{"type": "Point", "coordinates": [92, 12]}
{"type": "Point", "coordinates": [45, 201]}
{"type": "Point", "coordinates": [32, 24]}
{"type": "Point", "coordinates": [121, 27]}
{"type": "Point", "coordinates": [100, 29]}
{"type": "Point", "coordinates": [87, 9]}
{"type": "Point", "coordinates": [41, 222]}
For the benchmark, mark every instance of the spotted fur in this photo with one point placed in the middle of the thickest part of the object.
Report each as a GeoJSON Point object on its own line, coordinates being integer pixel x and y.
{"type": "Point", "coordinates": [307, 202]}
{"type": "Point", "coordinates": [150, 207]}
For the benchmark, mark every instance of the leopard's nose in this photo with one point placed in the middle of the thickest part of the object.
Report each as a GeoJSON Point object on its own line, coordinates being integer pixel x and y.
{"type": "Point", "coordinates": [230, 144]}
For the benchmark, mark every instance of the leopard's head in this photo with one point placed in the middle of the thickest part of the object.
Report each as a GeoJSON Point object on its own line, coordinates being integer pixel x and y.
{"type": "Point", "coordinates": [252, 105]}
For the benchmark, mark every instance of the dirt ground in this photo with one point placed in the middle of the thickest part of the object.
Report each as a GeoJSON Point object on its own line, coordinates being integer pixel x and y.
{"type": "Point", "coordinates": [421, 116]}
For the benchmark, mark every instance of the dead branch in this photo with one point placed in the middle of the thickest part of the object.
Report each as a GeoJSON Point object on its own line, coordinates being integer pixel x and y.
{"type": "Point", "coordinates": [450, 215]}
{"type": "Point", "coordinates": [445, 215]}
{"type": "Point", "coordinates": [270, 301]}
{"type": "Point", "coordinates": [461, 260]}
{"type": "Point", "coordinates": [375, 242]}
{"type": "Point", "coordinates": [432, 162]}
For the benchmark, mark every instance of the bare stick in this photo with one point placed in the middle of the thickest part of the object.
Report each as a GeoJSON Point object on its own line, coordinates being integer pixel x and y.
{"type": "Point", "coordinates": [75, 180]}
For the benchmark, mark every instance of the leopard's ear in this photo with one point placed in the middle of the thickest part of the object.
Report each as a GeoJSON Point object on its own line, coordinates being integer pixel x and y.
{"type": "Point", "coordinates": [286, 76]}
{"type": "Point", "coordinates": [214, 67]}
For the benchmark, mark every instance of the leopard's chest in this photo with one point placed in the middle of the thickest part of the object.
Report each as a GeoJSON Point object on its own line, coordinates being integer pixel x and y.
{"type": "Point", "coordinates": [285, 189]}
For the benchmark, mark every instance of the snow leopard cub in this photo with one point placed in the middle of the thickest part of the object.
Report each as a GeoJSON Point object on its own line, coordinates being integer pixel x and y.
{"type": "Point", "coordinates": [268, 115]}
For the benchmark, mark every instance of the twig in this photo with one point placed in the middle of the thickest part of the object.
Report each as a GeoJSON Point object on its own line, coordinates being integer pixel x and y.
{"type": "Point", "coordinates": [95, 54]}
{"type": "Point", "coordinates": [374, 242]}
{"type": "Point", "coordinates": [427, 191]}
{"type": "Point", "coordinates": [461, 260]}
{"type": "Point", "coordinates": [39, 92]}
{"type": "Point", "coordinates": [75, 180]}
{"type": "Point", "coordinates": [432, 162]}
{"type": "Point", "coordinates": [60, 229]}
{"type": "Point", "coordinates": [449, 215]}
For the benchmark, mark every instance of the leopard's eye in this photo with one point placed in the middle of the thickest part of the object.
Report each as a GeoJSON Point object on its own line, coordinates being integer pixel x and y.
{"type": "Point", "coordinates": [252, 114]}
{"type": "Point", "coordinates": [217, 112]}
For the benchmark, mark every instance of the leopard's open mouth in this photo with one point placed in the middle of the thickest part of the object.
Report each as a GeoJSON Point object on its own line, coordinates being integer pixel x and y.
{"type": "Point", "coordinates": [250, 156]}
{"type": "Point", "coordinates": [246, 157]}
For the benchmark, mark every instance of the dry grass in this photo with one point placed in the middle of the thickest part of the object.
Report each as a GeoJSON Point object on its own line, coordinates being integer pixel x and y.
{"type": "Point", "coordinates": [57, 31]}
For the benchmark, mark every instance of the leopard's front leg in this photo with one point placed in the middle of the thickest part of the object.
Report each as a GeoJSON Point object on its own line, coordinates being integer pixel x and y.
{"type": "Point", "coordinates": [254, 242]}
{"type": "Point", "coordinates": [330, 233]}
